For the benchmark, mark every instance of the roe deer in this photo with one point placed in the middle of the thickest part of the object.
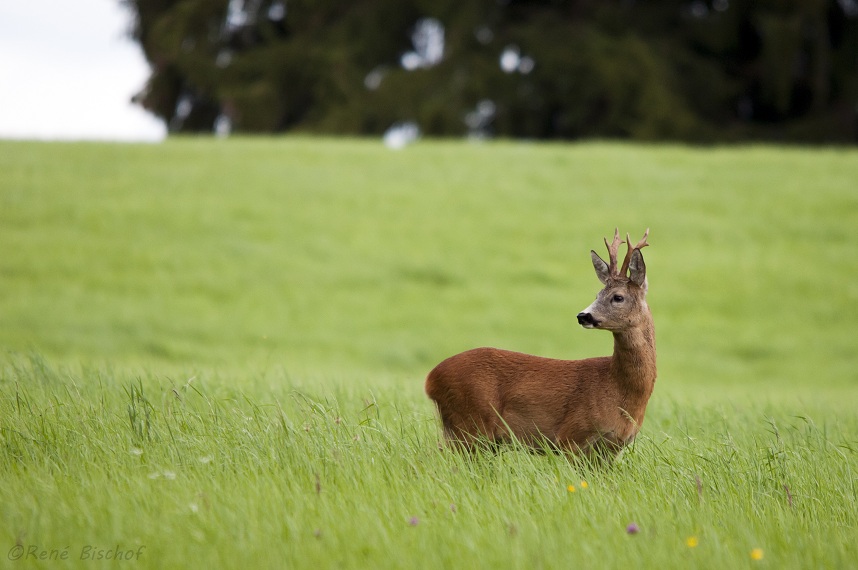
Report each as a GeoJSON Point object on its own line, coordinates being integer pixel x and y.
{"type": "Point", "coordinates": [594, 406]}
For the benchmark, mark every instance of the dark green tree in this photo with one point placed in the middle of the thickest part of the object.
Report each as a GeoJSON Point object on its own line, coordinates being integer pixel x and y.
{"type": "Point", "coordinates": [699, 70]}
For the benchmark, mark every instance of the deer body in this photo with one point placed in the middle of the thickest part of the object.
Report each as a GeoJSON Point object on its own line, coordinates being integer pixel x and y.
{"type": "Point", "coordinates": [594, 404]}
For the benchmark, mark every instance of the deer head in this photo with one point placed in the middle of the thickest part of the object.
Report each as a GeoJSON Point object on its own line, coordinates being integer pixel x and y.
{"type": "Point", "coordinates": [620, 305]}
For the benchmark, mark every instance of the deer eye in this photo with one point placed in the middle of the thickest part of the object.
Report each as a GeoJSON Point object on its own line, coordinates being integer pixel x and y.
{"type": "Point", "coordinates": [618, 299]}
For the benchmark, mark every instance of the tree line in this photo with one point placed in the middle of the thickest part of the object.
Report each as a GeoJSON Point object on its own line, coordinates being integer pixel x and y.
{"type": "Point", "coordinates": [691, 70]}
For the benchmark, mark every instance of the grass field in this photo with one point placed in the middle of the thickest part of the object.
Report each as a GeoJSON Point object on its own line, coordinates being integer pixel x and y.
{"type": "Point", "coordinates": [214, 352]}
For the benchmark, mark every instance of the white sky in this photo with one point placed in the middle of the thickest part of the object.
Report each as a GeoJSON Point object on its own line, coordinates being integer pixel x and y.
{"type": "Point", "coordinates": [68, 71]}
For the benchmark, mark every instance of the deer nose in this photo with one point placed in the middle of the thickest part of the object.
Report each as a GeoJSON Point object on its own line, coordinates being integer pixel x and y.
{"type": "Point", "coordinates": [586, 319]}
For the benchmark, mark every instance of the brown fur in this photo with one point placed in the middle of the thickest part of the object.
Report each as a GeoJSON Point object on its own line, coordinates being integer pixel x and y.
{"type": "Point", "coordinates": [594, 404]}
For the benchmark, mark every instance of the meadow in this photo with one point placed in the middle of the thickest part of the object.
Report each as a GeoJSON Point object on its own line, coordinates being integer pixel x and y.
{"type": "Point", "coordinates": [213, 353]}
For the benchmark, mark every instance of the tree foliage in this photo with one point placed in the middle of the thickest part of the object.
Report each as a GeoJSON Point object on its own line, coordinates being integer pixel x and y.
{"type": "Point", "coordinates": [695, 70]}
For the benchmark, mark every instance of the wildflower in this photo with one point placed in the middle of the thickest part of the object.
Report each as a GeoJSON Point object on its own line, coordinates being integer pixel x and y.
{"type": "Point", "coordinates": [691, 542]}
{"type": "Point", "coordinates": [205, 459]}
{"type": "Point", "coordinates": [757, 554]}
{"type": "Point", "coordinates": [413, 521]}
{"type": "Point", "coordinates": [584, 485]}
{"type": "Point", "coordinates": [571, 488]}
{"type": "Point", "coordinates": [633, 528]}
{"type": "Point", "coordinates": [452, 507]}
{"type": "Point", "coordinates": [136, 451]}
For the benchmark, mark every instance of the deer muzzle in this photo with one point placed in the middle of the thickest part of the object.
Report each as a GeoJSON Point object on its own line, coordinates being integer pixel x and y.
{"type": "Point", "coordinates": [587, 321]}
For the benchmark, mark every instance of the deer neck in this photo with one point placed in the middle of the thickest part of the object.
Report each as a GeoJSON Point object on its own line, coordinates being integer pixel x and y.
{"type": "Point", "coordinates": [633, 362]}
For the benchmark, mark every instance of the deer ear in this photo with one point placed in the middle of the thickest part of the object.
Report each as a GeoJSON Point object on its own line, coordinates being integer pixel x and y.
{"type": "Point", "coordinates": [637, 268]}
{"type": "Point", "coordinates": [602, 271]}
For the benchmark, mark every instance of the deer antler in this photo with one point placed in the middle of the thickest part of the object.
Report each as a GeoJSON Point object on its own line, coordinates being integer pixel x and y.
{"type": "Point", "coordinates": [641, 244]}
{"type": "Point", "coordinates": [612, 251]}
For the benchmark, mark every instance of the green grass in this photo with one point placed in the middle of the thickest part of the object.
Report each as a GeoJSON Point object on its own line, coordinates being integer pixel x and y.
{"type": "Point", "coordinates": [216, 350]}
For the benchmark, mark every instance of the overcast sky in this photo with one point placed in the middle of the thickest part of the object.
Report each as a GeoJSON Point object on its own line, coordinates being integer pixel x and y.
{"type": "Point", "coordinates": [68, 71]}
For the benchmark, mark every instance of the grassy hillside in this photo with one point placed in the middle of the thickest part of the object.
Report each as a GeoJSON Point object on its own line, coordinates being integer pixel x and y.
{"type": "Point", "coordinates": [216, 350]}
{"type": "Point", "coordinates": [345, 257]}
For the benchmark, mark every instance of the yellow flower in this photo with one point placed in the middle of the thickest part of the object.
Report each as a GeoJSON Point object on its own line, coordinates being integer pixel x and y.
{"type": "Point", "coordinates": [584, 485]}
{"type": "Point", "coordinates": [571, 488]}
{"type": "Point", "coordinates": [757, 554]}
{"type": "Point", "coordinates": [691, 541]}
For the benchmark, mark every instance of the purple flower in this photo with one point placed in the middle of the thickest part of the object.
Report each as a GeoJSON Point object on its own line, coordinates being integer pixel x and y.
{"type": "Point", "coordinates": [633, 528]}
{"type": "Point", "coordinates": [413, 521]}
